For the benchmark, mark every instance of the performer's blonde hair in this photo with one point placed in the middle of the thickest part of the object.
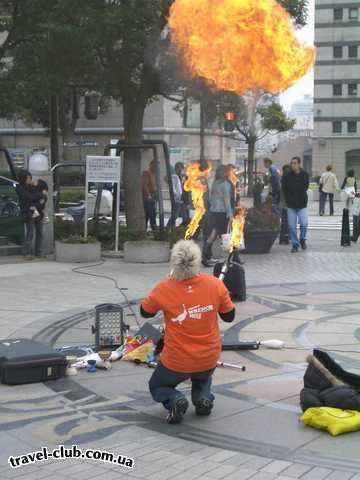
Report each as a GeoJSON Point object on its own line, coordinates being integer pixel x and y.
{"type": "Point", "coordinates": [185, 260]}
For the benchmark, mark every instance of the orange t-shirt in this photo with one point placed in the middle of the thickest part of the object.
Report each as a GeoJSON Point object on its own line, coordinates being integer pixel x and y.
{"type": "Point", "coordinates": [192, 335]}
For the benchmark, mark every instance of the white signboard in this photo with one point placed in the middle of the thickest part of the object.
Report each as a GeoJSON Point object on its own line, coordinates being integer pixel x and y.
{"type": "Point", "coordinates": [103, 170]}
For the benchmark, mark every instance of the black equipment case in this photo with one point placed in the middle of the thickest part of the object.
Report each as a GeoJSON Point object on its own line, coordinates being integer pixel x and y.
{"type": "Point", "coordinates": [234, 279]}
{"type": "Point", "coordinates": [27, 361]}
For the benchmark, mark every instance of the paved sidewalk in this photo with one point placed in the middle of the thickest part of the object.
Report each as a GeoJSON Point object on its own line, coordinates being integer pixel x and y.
{"type": "Point", "coordinates": [307, 299]}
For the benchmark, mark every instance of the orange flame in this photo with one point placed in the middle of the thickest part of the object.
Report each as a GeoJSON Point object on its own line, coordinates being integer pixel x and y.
{"type": "Point", "coordinates": [238, 227]}
{"type": "Point", "coordinates": [197, 185]}
{"type": "Point", "coordinates": [233, 176]}
{"type": "Point", "coordinates": [239, 45]}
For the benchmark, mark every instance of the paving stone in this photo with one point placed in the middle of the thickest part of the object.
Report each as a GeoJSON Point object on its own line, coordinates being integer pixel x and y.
{"type": "Point", "coordinates": [257, 462]}
{"type": "Point", "coordinates": [339, 475]}
{"type": "Point", "coordinates": [296, 470]}
{"type": "Point", "coordinates": [203, 468]}
{"type": "Point", "coordinates": [239, 459]}
{"type": "Point", "coordinates": [276, 466]}
{"type": "Point", "coordinates": [222, 471]}
{"type": "Point", "coordinates": [164, 474]}
{"type": "Point", "coordinates": [222, 456]}
{"type": "Point", "coordinates": [242, 474]}
{"type": "Point", "coordinates": [264, 476]}
{"type": "Point", "coordinates": [317, 473]}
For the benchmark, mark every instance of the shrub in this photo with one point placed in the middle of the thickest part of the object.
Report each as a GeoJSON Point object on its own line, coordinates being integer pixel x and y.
{"type": "Point", "coordinates": [258, 219]}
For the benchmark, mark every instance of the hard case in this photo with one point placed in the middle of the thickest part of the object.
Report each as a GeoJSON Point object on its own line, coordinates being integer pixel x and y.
{"type": "Point", "coordinates": [27, 361]}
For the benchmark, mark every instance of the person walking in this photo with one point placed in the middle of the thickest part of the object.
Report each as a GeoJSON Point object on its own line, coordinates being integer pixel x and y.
{"type": "Point", "coordinates": [191, 302]}
{"type": "Point", "coordinates": [149, 192]}
{"type": "Point", "coordinates": [349, 186]}
{"type": "Point", "coordinates": [295, 185]}
{"type": "Point", "coordinates": [177, 207]}
{"type": "Point", "coordinates": [328, 187]}
{"type": "Point", "coordinates": [284, 228]}
{"type": "Point", "coordinates": [220, 213]}
{"type": "Point", "coordinates": [275, 184]}
{"type": "Point", "coordinates": [29, 197]}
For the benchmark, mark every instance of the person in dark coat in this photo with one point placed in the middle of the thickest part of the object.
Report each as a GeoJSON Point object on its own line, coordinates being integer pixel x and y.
{"type": "Point", "coordinates": [295, 185]}
{"type": "Point", "coordinates": [29, 198]}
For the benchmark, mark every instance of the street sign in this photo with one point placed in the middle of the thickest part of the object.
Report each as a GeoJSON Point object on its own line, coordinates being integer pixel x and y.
{"type": "Point", "coordinates": [103, 169]}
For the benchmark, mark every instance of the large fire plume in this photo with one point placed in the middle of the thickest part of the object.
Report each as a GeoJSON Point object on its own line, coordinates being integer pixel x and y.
{"type": "Point", "coordinates": [238, 227]}
{"type": "Point", "coordinates": [196, 184]}
{"type": "Point", "coordinates": [239, 45]}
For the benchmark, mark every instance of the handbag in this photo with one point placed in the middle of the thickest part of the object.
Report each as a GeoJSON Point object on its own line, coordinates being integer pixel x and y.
{"type": "Point", "coordinates": [333, 420]}
{"type": "Point", "coordinates": [226, 239]}
{"type": "Point", "coordinates": [356, 207]}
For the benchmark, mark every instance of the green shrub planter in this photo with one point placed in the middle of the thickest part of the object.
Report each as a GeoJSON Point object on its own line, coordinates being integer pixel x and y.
{"type": "Point", "coordinates": [146, 251]}
{"type": "Point", "coordinates": [259, 241]}
{"type": "Point", "coordinates": [77, 252]}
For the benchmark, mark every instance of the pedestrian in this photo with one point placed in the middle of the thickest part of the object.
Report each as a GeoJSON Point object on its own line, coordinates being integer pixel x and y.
{"type": "Point", "coordinates": [284, 228]}
{"type": "Point", "coordinates": [185, 196]}
{"type": "Point", "coordinates": [328, 186]}
{"type": "Point", "coordinates": [149, 192]}
{"type": "Point", "coordinates": [31, 200]}
{"type": "Point", "coordinates": [233, 182]}
{"type": "Point", "coordinates": [349, 186]}
{"type": "Point", "coordinates": [295, 185]}
{"type": "Point", "coordinates": [192, 345]}
{"type": "Point", "coordinates": [275, 184]}
{"type": "Point", "coordinates": [177, 206]}
{"type": "Point", "coordinates": [220, 213]}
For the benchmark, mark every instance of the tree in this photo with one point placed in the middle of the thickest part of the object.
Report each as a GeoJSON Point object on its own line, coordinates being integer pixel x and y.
{"type": "Point", "coordinates": [112, 45]}
{"type": "Point", "coordinates": [260, 115]}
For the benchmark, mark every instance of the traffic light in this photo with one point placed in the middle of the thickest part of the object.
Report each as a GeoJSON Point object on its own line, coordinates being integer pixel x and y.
{"type": "Point", "coordinates": [230, 121]}
{"type": "Point", "coordinates": [92, 104]}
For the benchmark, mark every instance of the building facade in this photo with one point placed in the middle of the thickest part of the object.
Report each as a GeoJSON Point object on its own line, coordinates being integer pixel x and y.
{"type": "Point", "coordinates": [337, 87]}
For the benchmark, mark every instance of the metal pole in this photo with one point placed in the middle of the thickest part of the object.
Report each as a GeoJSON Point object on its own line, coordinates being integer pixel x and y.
{"type": "Point", "coordinates": [86, 207]}
{"type": "Point", "coordinates": [117, 217]}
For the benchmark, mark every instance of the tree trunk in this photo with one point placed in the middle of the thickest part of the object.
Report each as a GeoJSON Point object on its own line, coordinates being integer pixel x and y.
{"type": "Point", "coordinates": [250, 165]}
{"type": "Point", "coordinates": [54, 130]}
{"type": "Point", "coordinates": [132, 173]}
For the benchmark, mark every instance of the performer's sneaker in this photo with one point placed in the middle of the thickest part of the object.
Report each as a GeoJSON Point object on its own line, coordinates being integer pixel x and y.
{"type": "Point", "coordinates": [203, 407]}
{"type": "Point", "coordinates": [303, 244]}
{"type": "Point", "coordinates": [176, 414]}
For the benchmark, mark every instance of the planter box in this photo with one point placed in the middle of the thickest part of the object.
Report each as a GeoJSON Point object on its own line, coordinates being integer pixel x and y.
{"type": "Point", "coordinates": [146, 251]}
{"type": "Point", "coordinates": [77, 252]}
{"type": "Point", "coordinates": [260, 241]}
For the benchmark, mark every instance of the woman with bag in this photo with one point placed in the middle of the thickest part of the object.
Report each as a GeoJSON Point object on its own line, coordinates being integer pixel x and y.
{"type": "Point", "coordinates": [220, 212]}
{"type": "Point", "coordinates": [349, 186]}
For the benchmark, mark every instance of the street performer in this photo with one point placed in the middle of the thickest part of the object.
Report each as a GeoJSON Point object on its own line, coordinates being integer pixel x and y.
{"type": "Point", "coordinates": [190, 302]}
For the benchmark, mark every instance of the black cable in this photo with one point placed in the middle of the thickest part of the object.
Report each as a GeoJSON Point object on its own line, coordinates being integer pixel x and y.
{"type": "Point", "coordinates": [111, 279]}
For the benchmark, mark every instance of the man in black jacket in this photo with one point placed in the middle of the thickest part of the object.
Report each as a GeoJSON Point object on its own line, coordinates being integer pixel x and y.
{"type": "Point", "coordinates": [295, 185]}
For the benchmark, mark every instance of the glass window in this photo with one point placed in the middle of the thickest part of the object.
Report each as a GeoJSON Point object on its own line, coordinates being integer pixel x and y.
{"type": "Point", "coordinates": [337, 127]}
{"type": "Point", "coordinates": [352, 89]}
{"type": "Point", "coordinates": [337, 89]}
{"type": "Point", "coordinates": [352, 126]}
{"type": "Point", "coordinates": [338, 13]}
{"type": "Point", "coordinates": [353, 13]}
{"type": "Point", "coordinates": [338, 52]}
{"type": "Point", "coordinates": [353, 51]}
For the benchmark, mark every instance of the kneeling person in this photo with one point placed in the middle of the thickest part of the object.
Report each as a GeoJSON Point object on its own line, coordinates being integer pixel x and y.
{"type": "Point", "coordinates": [190, 302]}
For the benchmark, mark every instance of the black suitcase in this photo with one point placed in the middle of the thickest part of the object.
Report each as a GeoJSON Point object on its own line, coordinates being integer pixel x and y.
{"type": "Point", "coordinates": [234, 280]}
{"type": "Point", "coordinates": [27, 361]}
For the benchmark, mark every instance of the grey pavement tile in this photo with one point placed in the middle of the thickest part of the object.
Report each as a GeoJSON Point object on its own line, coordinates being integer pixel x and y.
{"type": "Point", "coordinates": [186, 463]}
{"type": "Point", "coordinates": [296, 470]}
{"type": "Point", "coordinates": [264, 476]}
{"type": "Point", "coordinates": [242, 474]}
{"type": "Point", "coordinates": [257, 462]}
{"type": "Point", "coordinates": [222, 456]}
{"type": "Point", "coordinates": [339, 475]}
{"type": "Point", "coordinates": [356, 477]}
{"type": "Point", "coordinates": [164, 474]}
{"type": "Point", "coordinates": [239, 459]}
{"type": "Point", "coordinates": [198, 471]}
{"type": "Point", "coordinates": [317, 473]}
{"type": "Point", "coordinates": [276, 466]}
{"type": "Point", "coordinates": [222, 471]}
